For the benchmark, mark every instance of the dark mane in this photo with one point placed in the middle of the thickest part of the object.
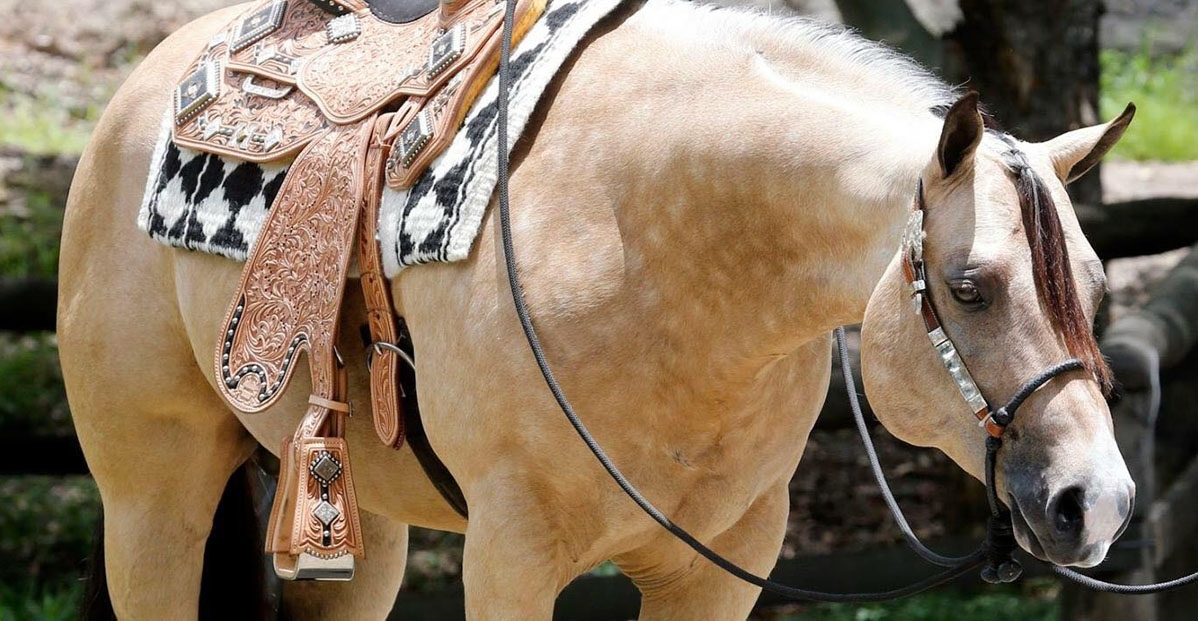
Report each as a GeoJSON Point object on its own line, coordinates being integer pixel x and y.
{"type": "Point", "coordinates": [1050, 265]}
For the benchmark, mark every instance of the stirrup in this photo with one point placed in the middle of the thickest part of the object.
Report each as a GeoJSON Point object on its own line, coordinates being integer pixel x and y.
{"type": "Point", "coordinates": [309, 567]}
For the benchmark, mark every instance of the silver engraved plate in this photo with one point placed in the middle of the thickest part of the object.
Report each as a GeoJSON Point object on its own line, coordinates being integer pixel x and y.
{"type": "Point", "coordinates": [412, 140]}
{"type": "Point", "coordinates": [913, 235]}
{"type": "Point", "coordinates": [446, 49]}
{"type": "Point", "coordinates": [956, 369]}
{"type": "Point", "coordinates": [344, 28]}
{"type": "Point", "coordinates": [257, 25]}
{"type": "Point", "coordinates": [197, 90]}
{"type": "Point", "coordinates": [325, 468]}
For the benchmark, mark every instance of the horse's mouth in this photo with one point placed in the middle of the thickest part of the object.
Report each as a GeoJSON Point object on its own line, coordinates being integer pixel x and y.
{"type": "Point", "coordinates": [1025, 535]}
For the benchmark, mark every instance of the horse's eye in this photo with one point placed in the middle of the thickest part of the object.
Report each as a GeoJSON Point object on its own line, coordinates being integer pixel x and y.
{"type": "Point", "coordinates": [966, 293]}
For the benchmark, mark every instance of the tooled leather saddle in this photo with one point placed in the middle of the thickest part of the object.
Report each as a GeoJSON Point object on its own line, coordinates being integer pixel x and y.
{"type": "Point", "coordinates": [357, 94]}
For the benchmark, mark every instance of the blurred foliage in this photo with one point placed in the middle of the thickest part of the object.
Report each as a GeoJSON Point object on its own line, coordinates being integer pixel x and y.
{"type": "Point", "coordinates": [32, 229]}
{"type": "Point", "coordinates": [18, 603]}
{"type": "Point", "coordinates": [1165, 91]}
{"type": "Point", "coordinates": [434, 560]}
{"type": "Point", "coordinates": [32, 398]}
{"type": "Point", "coordinates": [46, 527]}
{"type": "Point", "coordinates": [1033, 600]}
{"type": "Point", "coordinates": [41, 125]}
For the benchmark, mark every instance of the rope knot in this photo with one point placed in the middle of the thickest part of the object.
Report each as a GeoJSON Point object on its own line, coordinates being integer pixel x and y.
{"type": "Point", "coordinates": [1001, 567]}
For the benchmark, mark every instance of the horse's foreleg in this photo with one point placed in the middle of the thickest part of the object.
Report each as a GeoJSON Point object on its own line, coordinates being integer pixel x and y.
{"type": "Point", "coordinates": [512, 566]}
{"type": "Point", "coordinates": [677, 583]}
{"type": "Point", "coordinates": [376, 581]}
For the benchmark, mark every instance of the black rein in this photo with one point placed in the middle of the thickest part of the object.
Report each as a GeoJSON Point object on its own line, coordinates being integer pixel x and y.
{"type": "Point", "coordinates": [995, 551]}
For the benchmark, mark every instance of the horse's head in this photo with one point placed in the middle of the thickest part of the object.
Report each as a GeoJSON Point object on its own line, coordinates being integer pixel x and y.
{"type": "Point", "coordinates": [1014, 286]}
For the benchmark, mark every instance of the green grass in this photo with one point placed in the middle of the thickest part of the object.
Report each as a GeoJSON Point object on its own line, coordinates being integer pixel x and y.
{"type": "Point", "coordinates": [32, 398]}
{"type": "Point", "coordinates": [46, 529]}
{"type": "Point", "coordinates": [1165, 91]}
{"type": "Point", "coordinates": [29, 603]}
{"type": "Point", "coordinates": [29, 244]}
{"type": "Point", "coordinates": [1034, 600]}
{"type": "Point", "coordinates": [39, 126]}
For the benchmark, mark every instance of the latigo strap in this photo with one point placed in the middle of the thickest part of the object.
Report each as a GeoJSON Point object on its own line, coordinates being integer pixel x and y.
{"type": "Point", "coordinates": [380, 315]}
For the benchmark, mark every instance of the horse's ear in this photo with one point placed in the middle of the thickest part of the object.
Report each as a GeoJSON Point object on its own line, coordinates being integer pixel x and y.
{"type": "Point", "coordinates": [961, 135]}
{"type": "Point", "coordinates": [1074, 153]}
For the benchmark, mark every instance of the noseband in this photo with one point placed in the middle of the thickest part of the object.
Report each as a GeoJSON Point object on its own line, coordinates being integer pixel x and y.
{"type": "Point", "coordinates": [1000, 566]}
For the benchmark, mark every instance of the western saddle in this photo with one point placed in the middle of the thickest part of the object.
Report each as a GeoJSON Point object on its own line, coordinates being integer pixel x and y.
{"type": "Point", "coordinates": [356, 93]}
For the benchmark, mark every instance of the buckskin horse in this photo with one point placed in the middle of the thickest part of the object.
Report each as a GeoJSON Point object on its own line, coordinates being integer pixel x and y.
{"type": "Point", "coordinates": [704, 196]}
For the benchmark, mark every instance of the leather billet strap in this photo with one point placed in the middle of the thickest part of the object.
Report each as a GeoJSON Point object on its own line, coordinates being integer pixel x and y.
{"type": "Point", "coordinates": [921, 296]}
{"type": "Point", "coordinates": [380, 314]}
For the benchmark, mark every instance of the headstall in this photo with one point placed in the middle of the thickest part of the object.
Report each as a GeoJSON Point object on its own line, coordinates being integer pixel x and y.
{"type": "Point", "coordinates": [1000, 537]}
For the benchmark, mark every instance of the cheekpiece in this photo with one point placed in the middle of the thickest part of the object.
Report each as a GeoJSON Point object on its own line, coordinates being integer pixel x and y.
{"type": "Point", "coordinates": [257, 25]}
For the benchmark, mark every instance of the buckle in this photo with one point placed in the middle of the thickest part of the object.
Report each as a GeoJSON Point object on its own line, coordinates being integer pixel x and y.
{"type": "Point", "coordinates": [378, 347]}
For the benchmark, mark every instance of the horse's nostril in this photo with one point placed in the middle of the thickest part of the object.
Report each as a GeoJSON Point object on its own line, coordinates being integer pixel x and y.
{"type": "Point", "coordinates": [1068, 513]}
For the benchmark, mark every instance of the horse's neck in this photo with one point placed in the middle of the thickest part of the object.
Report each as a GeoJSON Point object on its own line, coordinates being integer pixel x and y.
{"type": "Point", "coordinates": [777, 192]}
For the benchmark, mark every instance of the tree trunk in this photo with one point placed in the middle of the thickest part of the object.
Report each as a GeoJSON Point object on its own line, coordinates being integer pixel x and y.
{"type": "Point", "coordinates": [1035, 64]}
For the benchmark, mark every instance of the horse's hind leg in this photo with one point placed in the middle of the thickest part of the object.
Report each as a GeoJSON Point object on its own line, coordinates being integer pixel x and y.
{"type": "Point", "coordinates": [371, 594]}
{"type": "Point", "coordinates": [160, 477]}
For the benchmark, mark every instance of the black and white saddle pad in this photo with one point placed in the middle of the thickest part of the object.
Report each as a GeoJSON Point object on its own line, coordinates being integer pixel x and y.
{"type": "Point", "coordinates": [216, 205]}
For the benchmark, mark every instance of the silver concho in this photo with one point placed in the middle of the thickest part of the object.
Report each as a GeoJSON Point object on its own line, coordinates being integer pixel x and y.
{"type": "Point", "coordinates": [257, 25]}
{"type": "Point", "coordinates": [325, 468]}
{"type": "Point", "coordinates": [445, 50]}
{"type": "Point", "coordinates": [197, 90]}
{"type": "Point", "coordinates": [326, 513]}
{"type": "Point", "coordinates": [913, 236]}
{"type": "Point", "coordinates": [412, 140]}
{"type": "Point", "coordinates": [343, 28]}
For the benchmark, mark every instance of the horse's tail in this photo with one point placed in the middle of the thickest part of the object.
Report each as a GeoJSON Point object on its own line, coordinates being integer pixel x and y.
{"type": "Point", "coordinates": [96, 606]}
{"type": "Point", "coordinates": [234, 579]}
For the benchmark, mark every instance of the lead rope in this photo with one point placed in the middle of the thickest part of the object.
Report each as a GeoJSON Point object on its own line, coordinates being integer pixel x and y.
{"type": "Point", "coordinates": [994, 552]}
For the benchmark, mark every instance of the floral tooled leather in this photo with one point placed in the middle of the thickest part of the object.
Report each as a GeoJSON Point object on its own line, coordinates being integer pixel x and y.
{"type": "Point", "coordinates": [279, 55]}
{"type": "Point", "coordinates": [386, 61]}
{"type": "Point", "coordinates": [291, 287]}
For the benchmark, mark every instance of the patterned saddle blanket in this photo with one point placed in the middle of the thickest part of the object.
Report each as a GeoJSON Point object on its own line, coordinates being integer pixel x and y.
{"type": "Point", "coordinates": [329, 109]}
{"type": "Point", "coordinates": [211, 202]}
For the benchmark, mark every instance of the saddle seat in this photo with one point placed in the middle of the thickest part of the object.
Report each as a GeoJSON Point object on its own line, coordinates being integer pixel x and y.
{"type": "Point", "coordinates": [355, 94]}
